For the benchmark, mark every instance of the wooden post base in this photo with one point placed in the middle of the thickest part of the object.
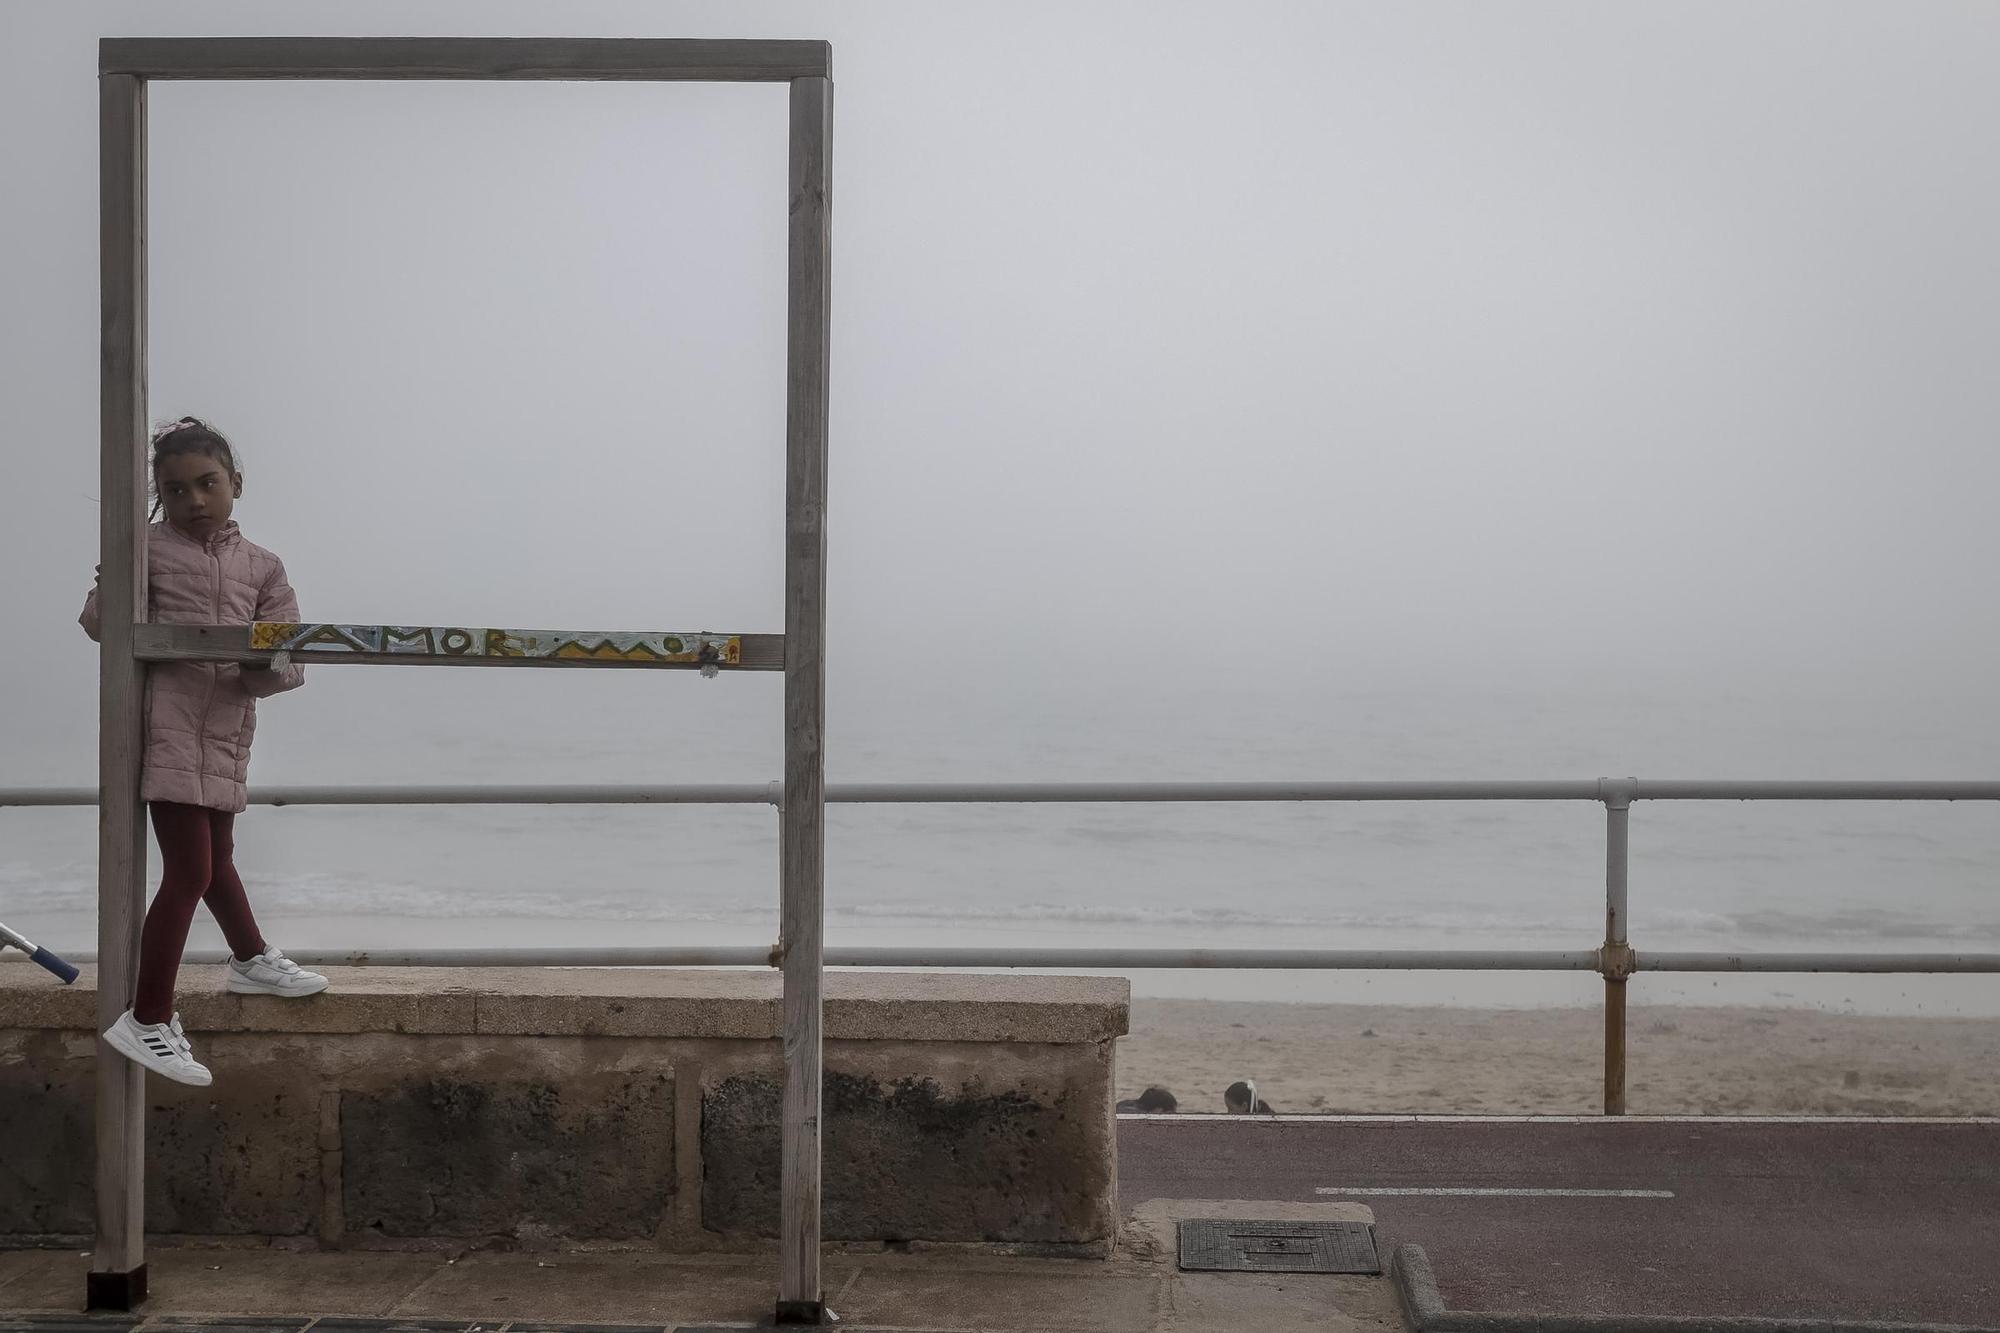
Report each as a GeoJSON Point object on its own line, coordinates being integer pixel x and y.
{"type": "Point", "coordinates": [116, 1291]}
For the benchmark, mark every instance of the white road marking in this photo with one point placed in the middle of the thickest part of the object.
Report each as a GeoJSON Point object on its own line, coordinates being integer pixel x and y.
{"type": "Point", "coordinates": [1481, 1191]}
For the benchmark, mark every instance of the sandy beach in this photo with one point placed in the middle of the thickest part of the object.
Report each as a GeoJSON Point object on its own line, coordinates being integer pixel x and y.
{"type": "Point", "coordinates": [1328, 1058]}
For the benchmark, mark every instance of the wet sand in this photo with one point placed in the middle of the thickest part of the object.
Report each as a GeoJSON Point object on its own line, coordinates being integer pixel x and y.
{"type": "Point", "coordinates": [1331, 1058]}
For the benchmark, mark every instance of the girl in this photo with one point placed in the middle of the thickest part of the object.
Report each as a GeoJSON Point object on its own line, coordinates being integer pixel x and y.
{"type": "Point", "coordinates": [199, 719]}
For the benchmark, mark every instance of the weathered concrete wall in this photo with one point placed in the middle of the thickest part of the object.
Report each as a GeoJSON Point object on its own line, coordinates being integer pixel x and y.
{"type": "Point", "coordinates": [1006, 1143]}
{"type": "Point", "coordinates": [528, 1106]}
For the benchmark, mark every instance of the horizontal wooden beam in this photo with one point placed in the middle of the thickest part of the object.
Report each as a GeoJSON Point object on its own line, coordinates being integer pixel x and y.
{"type": "Point", "coordinates": [421, 645]}
{"type": "Point", "coordinates": [633, 58]}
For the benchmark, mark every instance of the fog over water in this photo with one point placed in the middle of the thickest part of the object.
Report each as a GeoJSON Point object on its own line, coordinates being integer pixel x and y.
{"type": "Point", "coordinates": [1256, 391]}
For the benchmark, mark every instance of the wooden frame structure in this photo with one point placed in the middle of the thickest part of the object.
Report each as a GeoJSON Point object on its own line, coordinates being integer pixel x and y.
{"type": "Point", "coordinates": [117, 1278]}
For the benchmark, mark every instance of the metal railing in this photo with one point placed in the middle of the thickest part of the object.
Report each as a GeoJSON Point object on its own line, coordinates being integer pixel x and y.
{"type": "Point", "coordinates": [1615, 960]}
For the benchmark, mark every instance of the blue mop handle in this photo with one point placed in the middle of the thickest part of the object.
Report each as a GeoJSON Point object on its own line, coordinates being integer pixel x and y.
{"type": "Point", "coordinates": [39, 954]}
{"type": "Point", "coordinates": [67, 971]}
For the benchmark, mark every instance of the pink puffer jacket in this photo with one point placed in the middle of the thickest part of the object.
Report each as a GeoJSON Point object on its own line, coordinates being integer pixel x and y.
{"type": "Point", "coordinates": [200, 715]}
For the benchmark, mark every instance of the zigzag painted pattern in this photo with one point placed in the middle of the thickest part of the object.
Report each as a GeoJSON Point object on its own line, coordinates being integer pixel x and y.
{"type": "Point", "coordinates": [460, 641]}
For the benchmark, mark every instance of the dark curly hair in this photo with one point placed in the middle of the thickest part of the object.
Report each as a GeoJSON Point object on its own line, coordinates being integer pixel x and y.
{"type": "Point", "coordinates": [189, 435]}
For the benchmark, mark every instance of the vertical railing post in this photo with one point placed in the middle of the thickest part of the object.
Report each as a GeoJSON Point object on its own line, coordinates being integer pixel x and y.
{"type": "Point", "coordinates": [1615, 959]}
{"type": "Point", "coordinates": [802, 816]}
{"type": "Point", "coordinates": [117, 1276]}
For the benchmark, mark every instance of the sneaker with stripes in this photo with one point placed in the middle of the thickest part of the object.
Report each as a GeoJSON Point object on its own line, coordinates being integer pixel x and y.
{"type": "Point", "coordinates": [270, 973]}
{"type": "Point", "coordinates": [160, 1047]}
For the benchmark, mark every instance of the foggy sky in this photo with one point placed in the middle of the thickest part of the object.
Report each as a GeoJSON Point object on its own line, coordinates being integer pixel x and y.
{"type": "Point", "coordinates": [1278, 346]}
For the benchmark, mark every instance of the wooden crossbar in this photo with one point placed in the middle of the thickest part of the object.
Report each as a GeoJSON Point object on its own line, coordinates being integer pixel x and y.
{"type": "Point", "coordinates": [660, 59]}
{"type": "Point", "coordinates": [453, 645]}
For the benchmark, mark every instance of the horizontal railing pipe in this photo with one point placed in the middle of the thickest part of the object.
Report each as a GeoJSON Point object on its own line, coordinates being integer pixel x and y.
{"type": "Point", "coordinates": [1471, 960]}
{"type": "Point", "coordinates": [48, 796]}
{"type": "Point", "coordinates": [1765, 789]}
{"type": "Point", "coordinates": [730, 955]}
{"type": "Point", "coordinates": [694, 955]}
{"type": "Point", "coordinates": [1111, 959]}
{"type": "Point", "coordinates": [865, 793]}
{"type": "Point", "coordinates": [736, 955]}
{"type": "Point", "coordinates": [982, 793]}
{"type": "Point", "coordinates": [1652, 961]}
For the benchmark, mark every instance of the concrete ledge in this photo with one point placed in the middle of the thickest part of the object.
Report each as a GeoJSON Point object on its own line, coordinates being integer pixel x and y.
{"type": "Point", "coordinates": [1424, 1308]}
{"type": "Point", "coordinates": [861, 1005]}
{"type": "Point", "coordinates": [535, 1108]}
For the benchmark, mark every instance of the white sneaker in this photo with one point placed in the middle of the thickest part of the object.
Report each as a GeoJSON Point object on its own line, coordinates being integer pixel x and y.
{"type": "Point", "coordinates": [160, 1047]}
{"type": "Point", "coordinates": [271, 973]}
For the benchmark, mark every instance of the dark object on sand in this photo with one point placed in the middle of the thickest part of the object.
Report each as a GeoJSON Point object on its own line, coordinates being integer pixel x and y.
{"type": "Point", "coordinates": [1240, 1098]}
{"type": "Point", "coordinates": [1155, 1100]}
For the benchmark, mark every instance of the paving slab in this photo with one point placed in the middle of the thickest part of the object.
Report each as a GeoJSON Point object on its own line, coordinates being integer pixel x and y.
{"type": "Point", "coordinates": [530, 1326]}
{"type": "Point", "coordinates": [405, 1325]}
{"type": "Point", "coordinates": [262, 1282]}
{"type": "Point", "coordinates": [208, 1281]}
{"type": "Point", "coordinates": [958, 1299]}
{"type": "Point", "coordinates": [1237, 1302]}
{"type": "Point", "coordinates": [47, 1282]}
{"type": "Point", "coordinates": [17, 1264]}
{"type": "Point", "coordinates": [627, 1288]}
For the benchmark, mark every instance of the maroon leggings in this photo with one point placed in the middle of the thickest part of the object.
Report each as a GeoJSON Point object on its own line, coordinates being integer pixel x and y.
{"type": "Point", "coordinates": [197, 847]}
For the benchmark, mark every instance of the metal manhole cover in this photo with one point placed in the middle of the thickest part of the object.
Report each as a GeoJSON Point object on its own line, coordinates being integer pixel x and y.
{"type": "Point", "coordinates": [1213, 1244]}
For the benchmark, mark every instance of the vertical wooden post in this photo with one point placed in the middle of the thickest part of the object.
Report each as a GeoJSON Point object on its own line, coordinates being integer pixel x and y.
{"type": "Point", "coordinates": [117, 1278]}
{"type": "Point", "coordinates": [802, 829]}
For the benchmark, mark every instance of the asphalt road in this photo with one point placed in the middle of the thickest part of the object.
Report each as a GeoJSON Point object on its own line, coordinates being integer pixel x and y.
{"type": "Point", "coordinates": [1813, 1219]}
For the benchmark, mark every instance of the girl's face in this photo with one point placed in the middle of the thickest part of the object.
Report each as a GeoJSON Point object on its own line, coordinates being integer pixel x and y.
{"type": "Point", "coordinates": [197, 491]}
